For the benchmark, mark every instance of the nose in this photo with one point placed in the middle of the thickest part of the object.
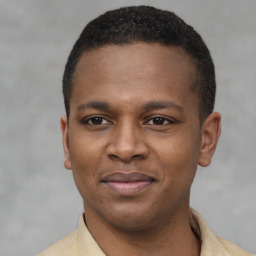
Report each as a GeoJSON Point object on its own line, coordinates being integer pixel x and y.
{"type": "Point", "coordinates": [127, 143]}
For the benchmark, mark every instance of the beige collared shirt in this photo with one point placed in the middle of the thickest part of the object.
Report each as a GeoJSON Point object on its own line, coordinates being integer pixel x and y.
{"type": "Point", "coordinates": [81, 243]}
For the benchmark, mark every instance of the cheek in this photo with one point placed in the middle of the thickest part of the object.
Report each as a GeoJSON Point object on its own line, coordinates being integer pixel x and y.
{"type": "Point", "coordinates": [85, 156]}
{"type": "Point", "coordinates": [84, 151]}
{"type": "Point", "coordinates": [178, 157]}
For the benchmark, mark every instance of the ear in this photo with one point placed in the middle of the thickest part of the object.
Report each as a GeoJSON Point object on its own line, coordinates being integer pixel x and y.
{"type": "Point", "coordinates": [210, 133]}
{"type": "Point", "coordinates": [65, 141]}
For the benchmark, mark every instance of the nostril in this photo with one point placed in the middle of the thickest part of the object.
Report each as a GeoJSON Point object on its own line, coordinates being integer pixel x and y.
{"type": "Point", "coordinates": [126, 158]}
{"type": "Point", "coordinates": [113, 157]}
{"type": "Point", "coordinates": [141, 156]}
{"type": "Point", "coordinates": [126, 148]}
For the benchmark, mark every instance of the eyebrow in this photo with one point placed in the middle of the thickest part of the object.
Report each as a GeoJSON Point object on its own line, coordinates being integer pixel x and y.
{"type": "Point", "coordinates": [152, 105]}
{"type": "Point", "coordinates": [100, 105]}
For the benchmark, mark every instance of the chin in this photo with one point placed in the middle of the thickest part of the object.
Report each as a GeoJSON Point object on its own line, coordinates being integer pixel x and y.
{"type": "Point", "coordinates": [131, 218]}
{"type": "Point", "coordinates": [133, 223]}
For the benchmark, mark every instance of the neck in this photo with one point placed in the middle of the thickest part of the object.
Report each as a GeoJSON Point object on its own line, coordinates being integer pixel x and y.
{"type": "Point", "coordinates": [174, 238]}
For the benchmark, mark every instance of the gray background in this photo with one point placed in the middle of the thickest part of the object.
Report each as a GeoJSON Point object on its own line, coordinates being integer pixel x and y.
{"type": "Point", "coordinates": [39, 201]}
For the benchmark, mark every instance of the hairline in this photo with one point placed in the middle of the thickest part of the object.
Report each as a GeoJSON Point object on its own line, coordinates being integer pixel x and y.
{"type": "Point", "coordinates": [194, 86]}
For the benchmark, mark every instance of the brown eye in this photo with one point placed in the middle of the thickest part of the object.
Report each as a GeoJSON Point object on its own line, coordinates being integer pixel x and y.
{"type": "Point", "coordinates": [158, 120]}
{"type": "Point", "coordinates": [96, 120]}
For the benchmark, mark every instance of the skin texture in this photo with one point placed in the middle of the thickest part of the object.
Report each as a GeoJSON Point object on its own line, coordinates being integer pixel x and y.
{"type": "Point", "coordinates": [133, 142]}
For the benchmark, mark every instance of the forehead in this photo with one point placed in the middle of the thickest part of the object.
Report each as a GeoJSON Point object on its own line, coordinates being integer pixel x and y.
{"type": "Point", "coordinates": [135, 53]}
{"type": "Point", "coordinates": [139, 69]}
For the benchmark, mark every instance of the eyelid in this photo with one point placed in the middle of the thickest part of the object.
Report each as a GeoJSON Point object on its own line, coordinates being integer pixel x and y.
{"type": "Point", "coordinates": [169, 119]}
{"type": "Point", "coordinates": [86, 119]}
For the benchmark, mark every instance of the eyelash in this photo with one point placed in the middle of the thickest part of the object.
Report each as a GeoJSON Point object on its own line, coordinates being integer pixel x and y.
{"type": "Point", "coordinates": [163, 121]}
{"type": "Point", "coordinates": [88, 120]}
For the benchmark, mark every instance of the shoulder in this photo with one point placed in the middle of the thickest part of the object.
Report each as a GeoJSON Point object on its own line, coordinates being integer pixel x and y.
{"type": "Point", "coordinates": [212, 245]}
{"type": "Point", "coordinates": [67, 246]}
{"type": "Point", "coordinates": [232, 249]}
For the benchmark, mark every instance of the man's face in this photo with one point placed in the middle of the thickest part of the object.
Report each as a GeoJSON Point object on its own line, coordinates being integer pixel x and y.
{"type": "Point", "coordinates": [133, 139]}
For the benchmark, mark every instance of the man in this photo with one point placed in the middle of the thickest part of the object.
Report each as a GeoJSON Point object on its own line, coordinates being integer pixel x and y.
{"type": "Point", "coordinates": [139, 92]}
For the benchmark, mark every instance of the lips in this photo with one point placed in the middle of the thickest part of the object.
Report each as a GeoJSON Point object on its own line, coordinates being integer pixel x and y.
{"type": "Point", "coordinates": [127, 183]}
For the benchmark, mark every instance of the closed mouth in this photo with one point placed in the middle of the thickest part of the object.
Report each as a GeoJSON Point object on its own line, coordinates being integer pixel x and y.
{"type": "Point", "coordinates": [127, 183]}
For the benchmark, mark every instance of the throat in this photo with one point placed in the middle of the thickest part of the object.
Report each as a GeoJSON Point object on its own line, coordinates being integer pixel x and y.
{"type": "Point", "coordinates": [173, 239]}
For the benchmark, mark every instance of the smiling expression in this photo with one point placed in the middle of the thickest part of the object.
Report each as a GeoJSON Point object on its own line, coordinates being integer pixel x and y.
{"type": "Point", "coordinates": [133, 139]}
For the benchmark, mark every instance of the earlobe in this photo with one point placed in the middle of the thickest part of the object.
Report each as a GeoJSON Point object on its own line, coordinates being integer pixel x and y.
{"type": "Point", "coordinates": [65, 141]}
{"type": "Point", "coordinates": [210, 133]}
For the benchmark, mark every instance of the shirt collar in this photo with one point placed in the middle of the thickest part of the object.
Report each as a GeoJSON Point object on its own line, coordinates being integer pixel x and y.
{"type": "Point", "coordinates": [210, 244]}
